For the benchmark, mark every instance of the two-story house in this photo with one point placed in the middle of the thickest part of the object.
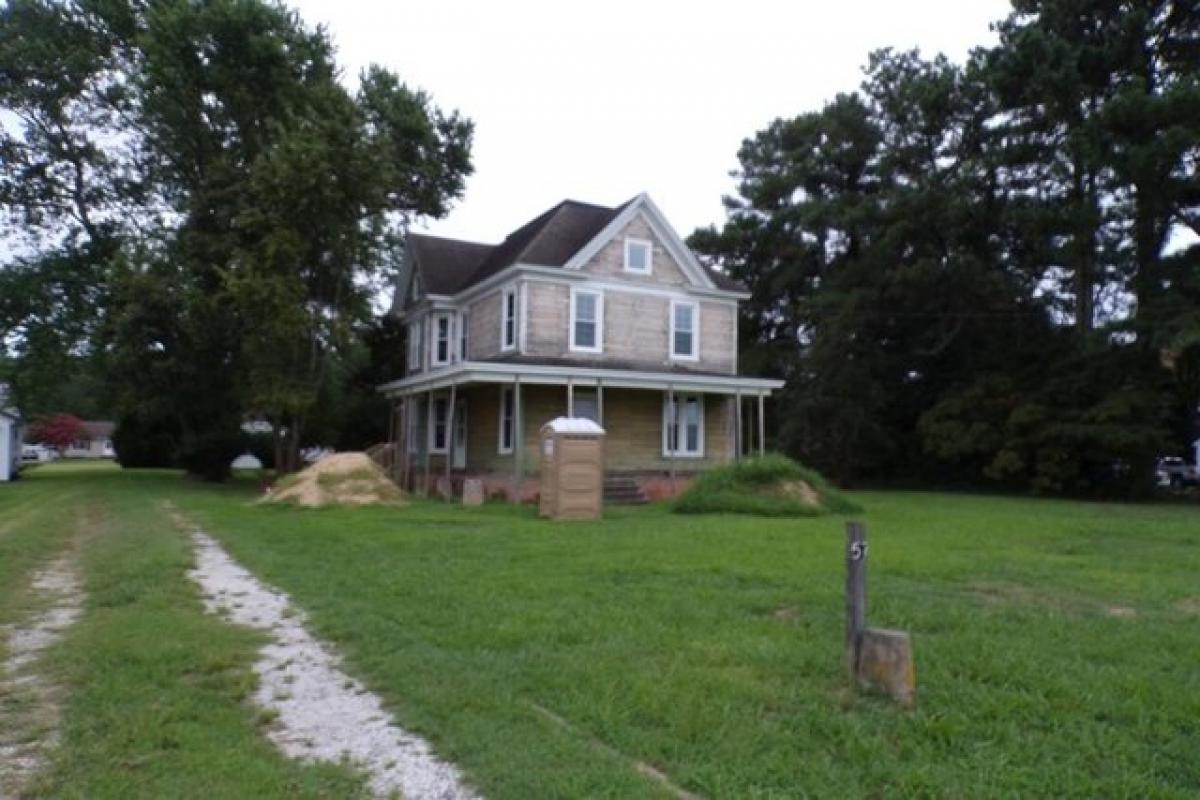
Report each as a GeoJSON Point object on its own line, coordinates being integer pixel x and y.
{"type": "Point", "coordinates": [585, 311]}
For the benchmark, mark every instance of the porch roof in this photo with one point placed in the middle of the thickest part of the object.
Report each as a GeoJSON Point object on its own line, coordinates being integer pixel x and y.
{"type": "Point", "coordinates": [466, 372]}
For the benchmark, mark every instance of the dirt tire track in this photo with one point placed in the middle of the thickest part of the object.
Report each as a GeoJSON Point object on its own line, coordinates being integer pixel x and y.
{"type": "Point", "coordinates": [30, 703]}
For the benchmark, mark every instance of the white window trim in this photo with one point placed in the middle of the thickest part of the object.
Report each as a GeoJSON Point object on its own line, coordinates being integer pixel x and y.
{"type": "Point", "coordinates": [681, 399]}
{"type": "Point", "coordinates": [695, 354]}
{"type": "Point", "coordinates": [649, 270]}
{"type": "Point", "coordinates": [506, 391]}
{"type": "Point", "coordinates": [434, 339]}
{"type": "Point", "coordinates": [599, 348]}
{"type": "Point", "coordinates": [432, 419]}
{"type": "Point", "coordinates": [508, 291]}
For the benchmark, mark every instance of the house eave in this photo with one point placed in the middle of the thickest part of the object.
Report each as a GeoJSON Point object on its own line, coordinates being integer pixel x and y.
{"type": "Point", "coordinates": [499, 372]}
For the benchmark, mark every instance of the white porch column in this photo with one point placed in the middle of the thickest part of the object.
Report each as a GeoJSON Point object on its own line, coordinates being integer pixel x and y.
{"type": "Point", "coordinates": [428, 433]}
{"type": "Point", "coordinates": [450, 435]}
{"type": "Point", "coordinates": [737, 436]}
{"type": "Point", "coordinates": [762, 425]}
{"type": "Point", "coordinates": [518, 441]}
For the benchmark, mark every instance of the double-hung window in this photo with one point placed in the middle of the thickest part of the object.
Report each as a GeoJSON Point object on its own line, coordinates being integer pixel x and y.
{"type": "Point", "coordinates": [440, 353]}
{"type": "Point", "coordinates": [507, 422]}
{"type": "Point", "coordinates": [416, 345]}
{"type": "Point", "coordinates": [685, 323]}
{"type": "Point", "coordinates": [462, 336]}
{"type": "Point", "coordinates": [438, 432]}
{"type": "Point", "coordinates": [587, 321]}
{"type": "Point", "coordinates": [638, 256]}
{"type": "Point", "coordinates": [683, 426]}
{"type": "Point", "coordinates": [508, 318]}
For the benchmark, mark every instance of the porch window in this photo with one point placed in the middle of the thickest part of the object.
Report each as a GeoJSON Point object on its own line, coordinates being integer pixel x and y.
{"type": "Point", "coordinates": [683, 426]}
{"type": "Point", "coordinates": [587, 315]}
{"type": "Point", "coordinates": [508, 319]}
{"type": "Point", "coordinates": [638, 253]}
{"type": "Point", "coordinates": [587, 404]}
{"type": "Point", "coordinates": [437, 429]}
{"type": "Point", "coordinates": [684, 317]}
{"type": "Point", "coordinates": [441, 340]}
{"type": "Point", "coordinates": [506, 420]}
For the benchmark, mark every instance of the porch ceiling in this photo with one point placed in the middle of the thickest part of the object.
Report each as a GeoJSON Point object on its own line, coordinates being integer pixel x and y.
{"type": "Point", "coordinates": [468, 372]}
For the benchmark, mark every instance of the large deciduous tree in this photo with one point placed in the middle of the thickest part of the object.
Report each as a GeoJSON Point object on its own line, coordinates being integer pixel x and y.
{"type": "Point", "coordinates": [235, 206]}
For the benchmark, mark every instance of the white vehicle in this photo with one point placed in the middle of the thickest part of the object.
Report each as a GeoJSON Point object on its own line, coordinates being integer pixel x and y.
{"type": "Point", "coordinates": [37, 454]}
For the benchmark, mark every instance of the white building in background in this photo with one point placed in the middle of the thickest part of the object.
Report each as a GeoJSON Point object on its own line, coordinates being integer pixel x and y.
{"type": "Point", "coordinates": [12, 437]}
{"type": "Point", "coordinates": [95, 441]}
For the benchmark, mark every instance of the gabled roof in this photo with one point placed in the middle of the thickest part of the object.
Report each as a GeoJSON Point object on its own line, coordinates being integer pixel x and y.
{"type": "Point", "coordinates": [447, 266]}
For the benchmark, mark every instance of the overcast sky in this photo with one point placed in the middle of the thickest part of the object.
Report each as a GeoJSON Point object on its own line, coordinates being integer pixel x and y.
{"type": "Point", "coordinates": [600, 101]}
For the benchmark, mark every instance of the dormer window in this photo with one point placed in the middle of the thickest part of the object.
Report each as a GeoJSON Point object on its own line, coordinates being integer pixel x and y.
{"type": "Point", "coordinates": [638, 256]}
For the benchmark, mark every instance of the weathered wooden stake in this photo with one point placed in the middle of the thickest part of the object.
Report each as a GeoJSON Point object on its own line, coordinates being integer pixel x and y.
{"type": "Point", "coordinates": [874, 656]}
{"type": "Point", "coordinates": [856, 592]}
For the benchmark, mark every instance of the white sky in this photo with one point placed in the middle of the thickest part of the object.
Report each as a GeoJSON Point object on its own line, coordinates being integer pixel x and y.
{"type": "Point", "coordinates": [599, 101]}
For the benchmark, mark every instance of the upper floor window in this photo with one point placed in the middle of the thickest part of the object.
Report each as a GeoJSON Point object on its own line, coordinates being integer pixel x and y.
{"type": "Point", "coordinates": [684, 324]}
{"type": "Point", "coordinates": [638, 255]}
{"type": "Point", "coordinates": [508, 318]}
{"type": "Point", "coordinates": [441, 340]}
{"type": "Point", "coordinates": [587, 321]}
{"type": "Point", "coordinates": [462, 336]}
{"type": "Point", "coordinates": [416, 344]}
{"type": "Point", "coordinates": [683, 426]}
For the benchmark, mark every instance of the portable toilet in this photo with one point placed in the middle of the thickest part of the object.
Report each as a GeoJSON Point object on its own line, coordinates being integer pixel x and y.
{"type": "Point", "coordinates": [572, 469]}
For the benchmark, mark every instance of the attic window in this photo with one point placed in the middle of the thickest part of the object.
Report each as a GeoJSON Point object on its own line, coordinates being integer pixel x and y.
{"type": "Point", "coordinates": [638, 255]}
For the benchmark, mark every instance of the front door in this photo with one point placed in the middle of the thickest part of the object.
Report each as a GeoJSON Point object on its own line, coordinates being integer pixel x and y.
{"type": "Point", "coordinates": [458, 459]}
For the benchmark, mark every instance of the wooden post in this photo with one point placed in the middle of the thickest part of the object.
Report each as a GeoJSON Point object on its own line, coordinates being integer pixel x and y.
{"type": "Point", "coordinates": [762, 426]}
{"type": "Point", "coordinates": [856, 592]}
{"type": "Point", "coordinates": [518, 443]}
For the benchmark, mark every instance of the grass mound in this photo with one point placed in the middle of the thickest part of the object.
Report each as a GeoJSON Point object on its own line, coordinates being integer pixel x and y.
{"type": "Point", "coordinates": [342, 479]}
{"type": "Point", "coordinates": [770, 486]}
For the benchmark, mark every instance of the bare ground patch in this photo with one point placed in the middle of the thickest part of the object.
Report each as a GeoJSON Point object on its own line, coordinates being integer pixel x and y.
{"type": "Point", "coordinates": [1062, 602]}
{"type": "Point", "coordinates": [30, 703]}
{"type": "Point", "coordinates": [319, 712]}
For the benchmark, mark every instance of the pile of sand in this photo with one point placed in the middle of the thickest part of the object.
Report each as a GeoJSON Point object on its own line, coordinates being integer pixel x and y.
{"type": "Point", "coordinates": [342, 479]}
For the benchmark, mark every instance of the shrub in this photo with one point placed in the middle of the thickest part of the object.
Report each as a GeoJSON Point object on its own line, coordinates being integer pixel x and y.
{"type": "Point", "coordinates": [769, 486]}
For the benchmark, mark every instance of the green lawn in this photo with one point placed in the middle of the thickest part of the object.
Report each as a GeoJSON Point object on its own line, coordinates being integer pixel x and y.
{"type": "Point", "coordinates": [1057, 645]}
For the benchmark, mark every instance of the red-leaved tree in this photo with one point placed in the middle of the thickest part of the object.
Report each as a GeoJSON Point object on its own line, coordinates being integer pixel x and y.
{"type": "Point", "coordinates": [56, 430]}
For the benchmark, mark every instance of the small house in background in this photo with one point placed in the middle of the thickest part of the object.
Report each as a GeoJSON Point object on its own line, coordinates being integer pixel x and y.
{"type": "Point", "coordinates": [12, 437]}
{"type": "Point", "coordinates": [95, 441]}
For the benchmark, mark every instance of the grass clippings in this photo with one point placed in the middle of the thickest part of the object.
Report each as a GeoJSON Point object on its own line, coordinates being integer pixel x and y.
{"type": "Point", "coordinates": [767, 486]}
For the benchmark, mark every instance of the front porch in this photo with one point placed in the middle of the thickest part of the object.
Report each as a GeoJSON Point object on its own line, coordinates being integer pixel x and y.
{"type": "Point", "coordinates": [483, 420]}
